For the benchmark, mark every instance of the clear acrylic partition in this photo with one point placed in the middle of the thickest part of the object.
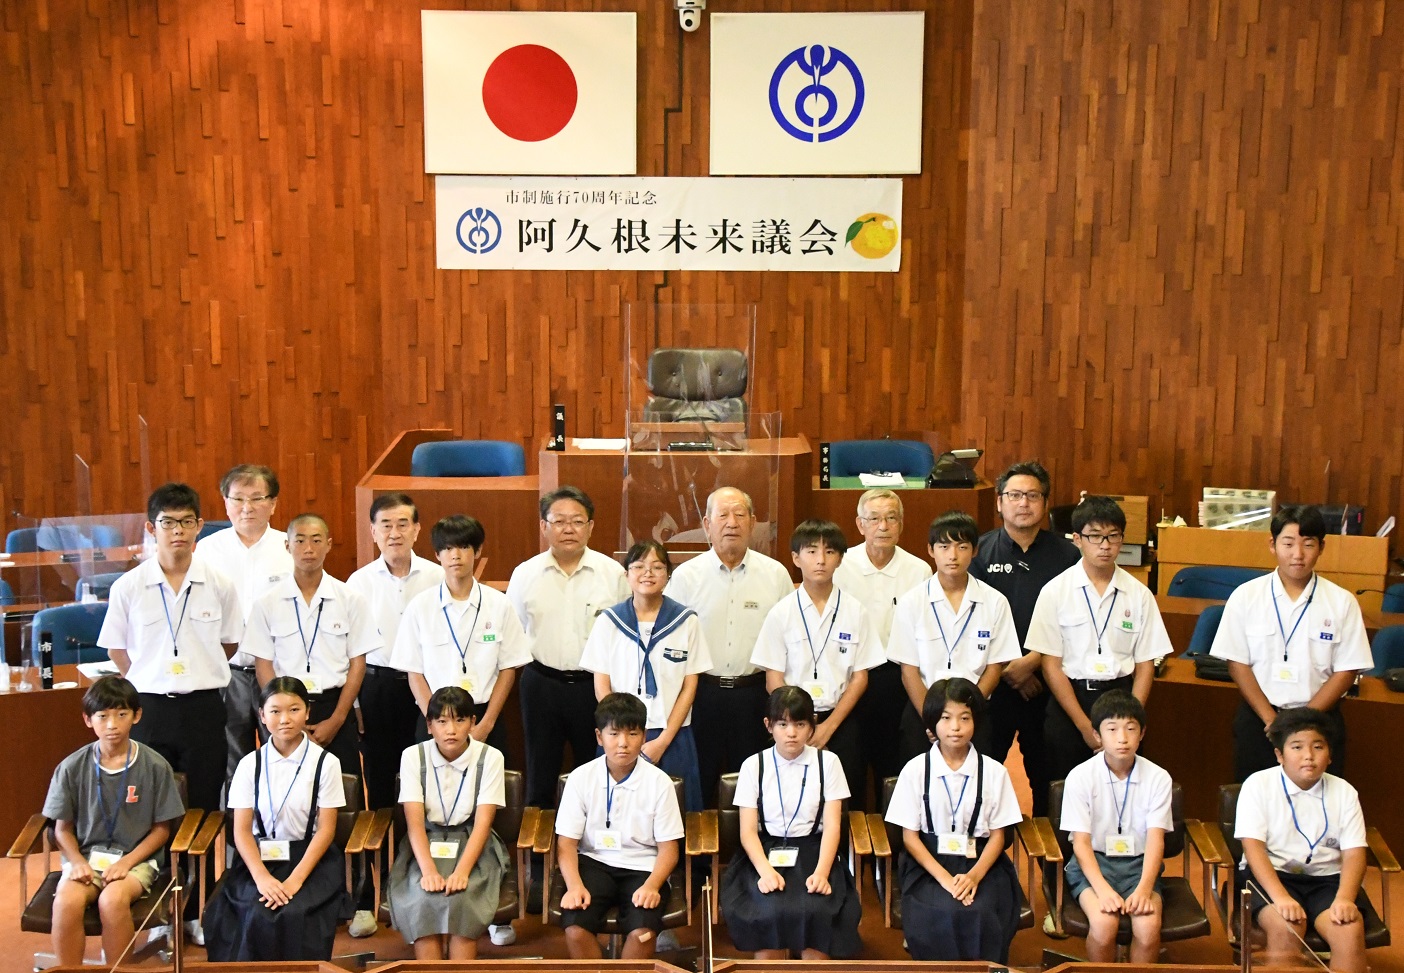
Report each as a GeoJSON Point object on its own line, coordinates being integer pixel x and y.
{"type": "Point", "coordinates": [19, 569]}
{"type": "Point", "coordinates": [144, 445]}
{"type": "Point", "coordinates": [83, 555]}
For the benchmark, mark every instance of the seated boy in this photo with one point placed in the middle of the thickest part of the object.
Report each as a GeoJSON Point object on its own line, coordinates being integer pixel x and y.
{"type": "Point", "coordinates": [112, 805]}
{"type": "Point", "coordinates": [1303, 841]}
{"type": "Point", "coordinates": [617, 832]}
{"type": "Point", "coordinates": [1116, 807]}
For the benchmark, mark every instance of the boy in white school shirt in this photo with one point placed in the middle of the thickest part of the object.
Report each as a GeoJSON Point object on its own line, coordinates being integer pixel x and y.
{"type": "Point", "coordinates": [953, 625]}
{"type": "Point", "coordinates": [820, 640]}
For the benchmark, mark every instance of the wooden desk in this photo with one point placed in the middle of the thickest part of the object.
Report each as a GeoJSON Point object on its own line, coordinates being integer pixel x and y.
{"type": "Point", "coordinates": [1181, 615]}
{"type": "Point", "coordinates": [51, 577]}
{"type": "Point", "coordinates": [39, 728]}
{"type": "Point", "coordinates": [919, 508]}
{"type": "Point", "coordinates": [1352, 562]}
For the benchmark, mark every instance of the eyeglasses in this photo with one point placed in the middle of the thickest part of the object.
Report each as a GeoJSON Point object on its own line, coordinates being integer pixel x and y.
{"type": "Point", "coordinates": [645, 567]}
{"type": "Point", "coordinates": [1016, 496]}
{"type": "Point", "coordinates": [575, 523]}
{"type": "Point", "coordinates": [246, 501]}
{"type": "Point", "coordinates": [882, 519]}
{"type": "Point", "coordinates": [1103, 540]}
{"type": "Point", "coordinates": [170, 523]}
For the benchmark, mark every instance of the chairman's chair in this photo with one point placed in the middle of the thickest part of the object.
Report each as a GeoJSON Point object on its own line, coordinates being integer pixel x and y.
{"type": "Point", "coordinates": [851, 457]}
{"type": "Point", "coordinates": [1222, 873]}
{"type": "Point", "coordinates": [152, 909]}
{"type": "Point", "coordinates": [98, 585]}
{"type": "Point", "coordinates": [22, 540]}
{"type": "Point", "coordinates": [1182, 916]}
{"type": "Point", "coordinates": [1387, 650]}
{"type": "Point", "coordinates": [696, 384]}
{"type": "Point", "coordinates": [1205, 628]}
{"type": "Point", "coordinates": [468, 457]}
{"type": "Point", "coordinates": [75, 630]}
{"type": "Point", "coordinates": [1210, 580]}
{"type": "Point", "coordinates": [212, 527]}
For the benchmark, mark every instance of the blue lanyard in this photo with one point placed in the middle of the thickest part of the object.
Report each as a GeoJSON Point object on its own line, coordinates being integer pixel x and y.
{"type": "Point", "coordinates": [780, 792]}
{"type": "Point", "coordinates": [609, 794]}
{"type": "Point", "coordinates": [175, 629]}
{"type": "Point", "coordinates": [1106, 621]}
{"type": "Point", "coordinates": [1325, 821]}
{"type": "Point", "coordinates": [950, 646]}
{"type": "Point", "coordinates": [1286, 636]}
{"type": "Point", "coordinates": [477, 610]}
{"type": "Point", "coordinates": [1126, 796]}
{"type": "Point", "coordinates": [838, 600]}
{"type": "Point", "coordinates": [306, 647]}
{"type": "Point", "coordinates": [273, 827]}
{"type": "Point", "coordinates": [448, 811]}
{"type": "Point", "coordinates": [110, 823]}
{"type": "Point", "coordinates": [955, 805]}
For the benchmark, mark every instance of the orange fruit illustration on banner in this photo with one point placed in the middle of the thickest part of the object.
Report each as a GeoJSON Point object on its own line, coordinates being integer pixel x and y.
{"type": "Point", "coordinates": [872, 235]}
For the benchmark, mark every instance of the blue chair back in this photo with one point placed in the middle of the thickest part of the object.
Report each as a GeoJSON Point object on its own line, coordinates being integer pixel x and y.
{"type": "Point", "coordinates": [1393, 600]}
{"type": "Point", "coordinates": [22, 540]}
{"type": "Point", "coordinates": [1204, 630]}
{"type": "Point", "coordinates": [1210, 581]}
{"type": "Point", "coordinates": [910, 457]}
{"type": "Point", "coordinates": [98, 585]}
{"type": "Point", "coordinates": [7, 596]}
{"type": "Point", "coordinates": [212, 526]}
{"type": "Point", "coordinates": [468, 457]}
{"type": "Point", "coordinates": [75, 629]}
{"type": "Point", "coordinates": [1387, 650]}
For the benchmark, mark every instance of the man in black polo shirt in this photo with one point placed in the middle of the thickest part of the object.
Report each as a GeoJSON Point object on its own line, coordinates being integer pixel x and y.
{"type": "Point", "coordinates": [1017, 560]}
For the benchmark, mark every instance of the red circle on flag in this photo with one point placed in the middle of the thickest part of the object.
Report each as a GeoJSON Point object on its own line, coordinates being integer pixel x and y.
{"type": "Point", "coordinates": [529, 92]}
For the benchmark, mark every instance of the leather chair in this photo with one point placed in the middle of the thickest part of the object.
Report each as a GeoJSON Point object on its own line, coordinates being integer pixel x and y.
{"type": "Point", "coordinates": [468, 457]}
{"type": "Point", "coordinates": [910, 457]}
{"type": "Point", "coordinates": [696, 384]}
{"type": "Point", "coordinates": [1210, 580]}
{"type": "Point", "coordinates": [1205, 628]}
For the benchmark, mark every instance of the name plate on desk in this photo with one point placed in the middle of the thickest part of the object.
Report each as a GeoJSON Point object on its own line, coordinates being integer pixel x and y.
{"type": "Point", "coordinates": [824, 449]}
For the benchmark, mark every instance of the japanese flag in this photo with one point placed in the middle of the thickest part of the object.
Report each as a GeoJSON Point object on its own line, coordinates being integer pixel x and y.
{"type": "Point", "coordinates": [531, 93]}
{"type": "Point", "coordinates": [816, 93]}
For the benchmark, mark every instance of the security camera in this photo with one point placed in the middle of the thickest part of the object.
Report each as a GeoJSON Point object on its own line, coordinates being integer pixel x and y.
{"type": "Point", "coordinates": [690, 13]}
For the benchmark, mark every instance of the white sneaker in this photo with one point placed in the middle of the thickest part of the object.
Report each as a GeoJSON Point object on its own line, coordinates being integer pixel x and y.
{"type": "Point", "coordinates": [194, 932]}
{"type": "Point", "coordinates": [363, 924]}
{"type": "Point", "coordinates": [667, 942]}
{"type": "Point", "coordinates": [502, 935]}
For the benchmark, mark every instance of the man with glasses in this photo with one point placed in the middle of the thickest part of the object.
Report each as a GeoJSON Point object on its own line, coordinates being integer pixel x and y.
{"type": "Point", "coordinates": [1097, 629]}
{"type": "Point", "coordinates": [1017, 559]}
{"type": "Point", "coordinates": [254, 556]}
{"type": "Point", "coordinates": [877, 574]}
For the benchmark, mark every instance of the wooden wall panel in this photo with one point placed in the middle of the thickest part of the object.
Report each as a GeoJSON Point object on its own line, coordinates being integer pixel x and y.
{"type": "Point", "coordinates": [1183, 246]}
{"type": "Point", "coordinates": [214, 215]}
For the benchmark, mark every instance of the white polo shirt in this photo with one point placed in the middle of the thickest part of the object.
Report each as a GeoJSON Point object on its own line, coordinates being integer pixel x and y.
{"type": "Point", "coordinates": [557, 610]}
{"type": "Point", "coordinates": [1097, 637]}
{"type": "Point", "coordinates": [253, 570]}
{"type": "Point", "coordinates": [174, 639]}
{"type": "Point", "coordinates": [313, 642]}
{"type": "Point", "coordinates": [286, 819]}
{"type": "Point", "coordinates": [792, 797]}
{"type": "Point", "coordinates": [1324, 628]}
{"type": "Point", "coordinates": [461, 643]}
{"type": "Point", "coordinates": [1329, 811]}
{"type": "Point", "coordinates": [1096, 803]}
{"type": "Point", "coordinates": [818, 652]}
{"type": "Point", "coordinates": [676, 654]}
{"type": "Point", "coordinates": [447, 794]}
{"type": "Point", "coordinates": [388, 596]}
{"type": "Point", "coordinates": [880, 589]}
{"type": "Point", "coordinates": [642, 807]}
{"type": "Point", "coordinates": [953, 796]}
{"type": "Point", "coordinates": [941, 642]}
{"type": "Point", "coordinates": [732, 604]}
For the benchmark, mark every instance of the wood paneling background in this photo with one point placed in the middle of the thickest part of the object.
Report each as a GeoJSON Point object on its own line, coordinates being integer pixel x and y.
{"type": "Point", "coordinates": [214, 215]}
{"type": "Point", "coordinates": [1183, 249]}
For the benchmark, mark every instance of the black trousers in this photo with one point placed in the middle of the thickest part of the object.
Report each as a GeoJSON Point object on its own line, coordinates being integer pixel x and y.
{"type": "Point", "coordinates": [558, 708]}
{"type": "Point", "coordinates": [728, 726]}
{"type": "Point", "coordinates": [345, 746]}
{"type": "Point", "coordinates": [880, 714]}
{"type": "Point", "coordinates": [1253, 751]}
{"type": "Point", "coordinates": [848, 747]}
{"type": "Point", "coordinates": [391, 718]}
{"type": "Point", "coordinates": [1011, 714]}
{"type": "Point", "coordinates": [241, 721]}
{"type": "Point", "coordinates": [1063, 741]}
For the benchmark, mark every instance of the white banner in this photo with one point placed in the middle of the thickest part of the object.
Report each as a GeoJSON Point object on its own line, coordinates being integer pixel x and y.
{"type": "Point", "coordinates": [564, 223]}
{"type": "Point", "coordinates": [816, 93]}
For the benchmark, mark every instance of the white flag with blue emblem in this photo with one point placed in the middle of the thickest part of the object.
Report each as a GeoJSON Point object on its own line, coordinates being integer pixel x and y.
{"type": "Point", "coordinates": [812, 94]}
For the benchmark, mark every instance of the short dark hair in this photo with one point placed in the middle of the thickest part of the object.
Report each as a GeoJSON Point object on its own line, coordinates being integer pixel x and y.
{"type": "Point", "coordinates": [643, 549]}
{"type": "Point", "coordinates": [450, 701]}
{"type": "Point", "coordinates": [111, 692]}
{"type": "Point", "coordinates": [170, 498]}
{"type": "Point", "coordinates": [957, 689]}
{"type": "Point", "coordinates": [314, 517]}
{"type": "Point", "coordinates": [1295, 720]}
{"type": "Point", "coordinates": [954, 527]}
{"type": "Point", "coordinates": [285, 686]}
{"type": "Point", "coordinates": [815, 532]}
{"type": "Point", "coordinates": [1031, 468]}
{"type": "Point", "coordinates": [1308, 519]}
{"type": "Point", "coordinates": [387, 501]}
{"type": "Point", "coordinates": [1098, 510]}
{"type": "Point", "coordinates": [623, 711]}
{"type": "Point", "coordinates": [567, 493]}
{"type": "Point", "coordinates": [249, 471]}
{"type": "Point", "coordinates": [790, 703]}
{"type": "Point", "coordinates": [457, 530]}
{"type": "Point", "coordinates": [1118, 704]}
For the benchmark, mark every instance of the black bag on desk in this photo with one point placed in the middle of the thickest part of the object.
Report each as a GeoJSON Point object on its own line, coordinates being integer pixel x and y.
{"type": "Point", "coordinates": [1212, 667]}
{"type": "Point", "coordinates": [1394, 679]}
{"type": "Point", "coordinates": [951, 473]}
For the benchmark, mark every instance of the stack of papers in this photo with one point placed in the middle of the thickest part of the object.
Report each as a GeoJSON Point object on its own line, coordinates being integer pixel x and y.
{"type": "Point", "coordinates": [881, 479]}
{"type": "Point", "coordinates": [96, 670]}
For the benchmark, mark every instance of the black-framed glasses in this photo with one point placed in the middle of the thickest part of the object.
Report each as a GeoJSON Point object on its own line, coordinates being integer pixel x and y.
{"type": "Point", "coordinates": [1103, 540]}
{"type": "Point", "coordinates": [1016, 496]}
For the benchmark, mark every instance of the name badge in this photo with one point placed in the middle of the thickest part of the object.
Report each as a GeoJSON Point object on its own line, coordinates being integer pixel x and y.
{"type": "Point", "coordinates": [1294, 867]}
{"type": "Point", "coordinates": [443, 849]}
{"type": "Point", "coordinates": [177, 668]}
{"type": "Point", "coordinates": [1120, 846]}
{"type": "Point", "coordinates": [1128, 626]}
{"type": "Point", "coordinates": [959, 845]}
{"type": "Point", "coordinates": [274, 850]}
{"type": "Point", "coordinates": [466, 684]}
{"type": "Point", "coordinates": [783, 857]}
{"type": "Point", "coordinates": [816, 690]}
{"type": "Point", "coordinates": [100, 859]}
{"type": "Point", "coordinates": [1100, 667]}
{"type": "Point", "coordinates": [608, 839]}
{"type": "Point", "coordinates": [489, 636]}
{"type": "Point", "coordinates": [1285, 672]}
{"type": "Point", "coordinates": [311, 684]}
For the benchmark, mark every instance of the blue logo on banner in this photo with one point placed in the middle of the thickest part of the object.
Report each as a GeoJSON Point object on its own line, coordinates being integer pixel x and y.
{"type": "Point", "coordinates": [814, 115]}
{"type": "Point", "coordinates": [484, 230]}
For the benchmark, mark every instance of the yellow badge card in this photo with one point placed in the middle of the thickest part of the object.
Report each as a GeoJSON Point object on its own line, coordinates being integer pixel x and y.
{"type": "Point", "coordinates": [271, 850]}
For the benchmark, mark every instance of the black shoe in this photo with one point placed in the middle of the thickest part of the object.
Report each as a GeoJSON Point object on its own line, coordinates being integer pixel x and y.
{"type": "Point", "coordinates": [533, 903]}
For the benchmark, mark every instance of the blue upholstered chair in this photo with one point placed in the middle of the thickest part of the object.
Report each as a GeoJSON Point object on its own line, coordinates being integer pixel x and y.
{"type": "Point", "coordinates": [468, 457]}
{"type": "Point", "coordinates": [75, 629]}
{"type": "Point", "coordinates": [211, 526]}
{"type": "Point", "coordinates": [22, 540]}
{"type": "Point", "coordinates": [1393, 600]}
{"type": "Point", "coordinates": [1204, 630]}
{"type": "Point", "coordinates": [98, 585]}
{"type": "Point", "coordinates": [1387, 649]}
{"type": "Point", "coordinates": [1210, 581]}
{"type": "Point", "coordinates": [7, 595]}
{"type": "Point", "coordinates": [910, 457]}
